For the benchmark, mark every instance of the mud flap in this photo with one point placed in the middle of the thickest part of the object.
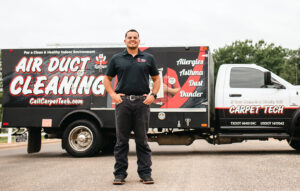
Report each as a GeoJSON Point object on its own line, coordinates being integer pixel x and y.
{"type": "Point", "coordinates": [34, 140]}
{"type": "Point", "coordinates": [294, 129]}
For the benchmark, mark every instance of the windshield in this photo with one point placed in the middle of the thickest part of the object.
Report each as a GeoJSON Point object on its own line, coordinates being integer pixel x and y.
{"type": "Point", "coordinates": [280, 80]}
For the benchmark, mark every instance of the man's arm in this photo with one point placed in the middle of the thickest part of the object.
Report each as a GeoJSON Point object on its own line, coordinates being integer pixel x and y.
{"type": "Point", "coordinates": [156, 84]}
{"type": "Point", "coordinates": [107, 84]}
{"type": "Point", "coordinates": [172, 91]}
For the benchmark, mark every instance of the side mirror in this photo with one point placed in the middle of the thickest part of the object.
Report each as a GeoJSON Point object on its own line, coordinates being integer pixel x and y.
{"type": "Point", "coordinates": [267, 78]}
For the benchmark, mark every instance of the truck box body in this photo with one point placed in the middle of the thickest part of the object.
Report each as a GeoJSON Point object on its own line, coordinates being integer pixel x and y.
{"type": "Point", "coordinates": [43, 86]}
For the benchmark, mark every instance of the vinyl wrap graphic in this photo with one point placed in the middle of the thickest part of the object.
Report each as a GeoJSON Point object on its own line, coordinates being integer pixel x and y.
{"type": "Point", "coordinates": [263, 117]}
{"type": "Point", "coordinates": [74, 77]}
{"type": "Point", "coordinates": [184, 76]}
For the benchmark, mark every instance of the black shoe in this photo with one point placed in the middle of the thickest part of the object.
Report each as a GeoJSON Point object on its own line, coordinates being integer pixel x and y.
{"type": "Point", "coordinates": [147, 180]}
{"type": "Point", "coordinates": [119, 181]}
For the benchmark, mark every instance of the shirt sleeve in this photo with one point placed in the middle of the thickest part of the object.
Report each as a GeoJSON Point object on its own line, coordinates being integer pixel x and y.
{"type": "Point", "coordinates": [153, 69]}
{"type": "Point", "coordinates": [111, 71]}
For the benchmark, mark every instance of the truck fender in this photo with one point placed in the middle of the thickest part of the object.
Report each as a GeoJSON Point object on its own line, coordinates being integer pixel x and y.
{"type": "Point", "coordinates": [294, 124]}
{"type": "Point", "coordinates": [84, 113]}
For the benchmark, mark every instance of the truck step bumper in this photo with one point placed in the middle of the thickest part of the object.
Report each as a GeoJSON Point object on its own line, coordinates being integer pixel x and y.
{"type": "Point", "coordinates": [245, 128]}
{"type": "Point", "coordinates": [254, 135]}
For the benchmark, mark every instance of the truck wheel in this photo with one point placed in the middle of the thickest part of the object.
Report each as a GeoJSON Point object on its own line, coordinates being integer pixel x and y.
{"type": "Point", "coordinates": [82, 138]}
{"type": "Point", "coordinates": [34, 140]}
{"type": "Point", "coordinates": [109, 145]}
{"type": "Point", "coordinates": [295, 144]}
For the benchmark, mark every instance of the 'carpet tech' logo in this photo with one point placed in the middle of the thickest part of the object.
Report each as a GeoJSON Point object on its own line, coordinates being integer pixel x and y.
{"type": "Point", "coordinates": [100, 62]}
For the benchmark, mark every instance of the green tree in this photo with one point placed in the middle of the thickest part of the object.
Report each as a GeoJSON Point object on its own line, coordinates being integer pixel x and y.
{"type": "Point", "coordinates": [291, 70]}
{"type": "Point", "coordinates": [237, 52]}
{"type": "Point", "coordinates": [1, 86]}
{"type": "Point", "coordinates": [269, 56]}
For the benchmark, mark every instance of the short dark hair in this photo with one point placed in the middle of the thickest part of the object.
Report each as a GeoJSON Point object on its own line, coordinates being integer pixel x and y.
{"type": "Point", "coordinates": [132, 30]}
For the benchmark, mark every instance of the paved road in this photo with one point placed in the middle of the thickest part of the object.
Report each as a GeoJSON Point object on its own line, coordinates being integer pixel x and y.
{"type": "Point", "coordinates": [253, 165]}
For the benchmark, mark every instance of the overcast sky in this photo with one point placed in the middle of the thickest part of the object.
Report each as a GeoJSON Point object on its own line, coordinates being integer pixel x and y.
{"type": "Point", "coordinates": [39, 23]}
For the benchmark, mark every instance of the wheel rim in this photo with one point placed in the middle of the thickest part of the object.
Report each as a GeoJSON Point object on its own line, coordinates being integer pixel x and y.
{"type": "Point", "coordinates": [81, 138]}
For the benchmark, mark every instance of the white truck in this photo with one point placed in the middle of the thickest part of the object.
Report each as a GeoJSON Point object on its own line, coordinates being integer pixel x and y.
{"type": "Point", "coordinates": [61, 92]}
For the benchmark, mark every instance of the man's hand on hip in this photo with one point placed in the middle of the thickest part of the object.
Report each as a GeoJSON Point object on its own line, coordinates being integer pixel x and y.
{"type": "Point", "coordinates": [117, 98]}
{"type": "Point", "coordinates": [149, 99]}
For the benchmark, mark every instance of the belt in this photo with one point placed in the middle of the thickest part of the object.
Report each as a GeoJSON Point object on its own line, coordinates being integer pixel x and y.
{"type": "Point", "coordinates": [133, 97]}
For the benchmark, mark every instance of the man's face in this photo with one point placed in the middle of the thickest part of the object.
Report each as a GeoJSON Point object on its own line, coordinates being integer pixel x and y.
{"type": "Point", "coordinates": [132, 40]}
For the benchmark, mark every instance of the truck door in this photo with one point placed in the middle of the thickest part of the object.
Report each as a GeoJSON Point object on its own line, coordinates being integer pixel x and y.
{"type": "Point", "coordinates": [251, 103]}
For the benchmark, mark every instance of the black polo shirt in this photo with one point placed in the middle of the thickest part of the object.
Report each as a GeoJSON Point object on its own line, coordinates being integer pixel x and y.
{"type": "Point", "coordinates": [132, 72]}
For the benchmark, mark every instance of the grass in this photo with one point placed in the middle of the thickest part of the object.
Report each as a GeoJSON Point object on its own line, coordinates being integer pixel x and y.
{"type": "Point", "coordinates": [13, 139]}
{"type": "Point", "coordinates": [4, 139]}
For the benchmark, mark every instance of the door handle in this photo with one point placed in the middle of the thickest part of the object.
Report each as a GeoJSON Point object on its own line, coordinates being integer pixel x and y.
{"type": "Point", "coordinates": [235, 95]}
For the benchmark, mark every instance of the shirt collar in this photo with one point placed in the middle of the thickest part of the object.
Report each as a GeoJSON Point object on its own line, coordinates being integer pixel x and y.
{"type": "Point", "coordinates": [125, 52]}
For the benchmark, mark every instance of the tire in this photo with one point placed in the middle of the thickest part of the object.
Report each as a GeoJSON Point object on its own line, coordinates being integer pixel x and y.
{"type": "Point", "coordinates": [295, 144]}
{"type": "Point", "coordinates": [109, 145]}
{"type": "Point", "coordinates": [82, 138]}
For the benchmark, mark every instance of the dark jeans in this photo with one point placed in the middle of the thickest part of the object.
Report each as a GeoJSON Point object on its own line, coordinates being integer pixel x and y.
{"type": "Point", "coordinates": [132, 116]}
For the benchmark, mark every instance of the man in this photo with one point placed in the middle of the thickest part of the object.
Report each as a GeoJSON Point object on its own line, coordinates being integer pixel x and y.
{"type": "Point", "coordinates": [132, 98]}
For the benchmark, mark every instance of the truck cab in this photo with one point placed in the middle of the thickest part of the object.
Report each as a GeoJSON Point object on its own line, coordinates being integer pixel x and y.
{"type": "Point", "coordinates": [252, 102]}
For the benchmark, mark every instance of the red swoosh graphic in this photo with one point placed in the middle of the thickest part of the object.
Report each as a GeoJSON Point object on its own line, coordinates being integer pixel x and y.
{"type": "Point", "coordinates": [177, 101]}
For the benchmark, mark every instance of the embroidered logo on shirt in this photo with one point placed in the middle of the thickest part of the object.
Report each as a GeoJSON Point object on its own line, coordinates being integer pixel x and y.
{"type": "Point", "coordinates": [141, 60]}
{"type": "Point", "coordinates": [171, 80]}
